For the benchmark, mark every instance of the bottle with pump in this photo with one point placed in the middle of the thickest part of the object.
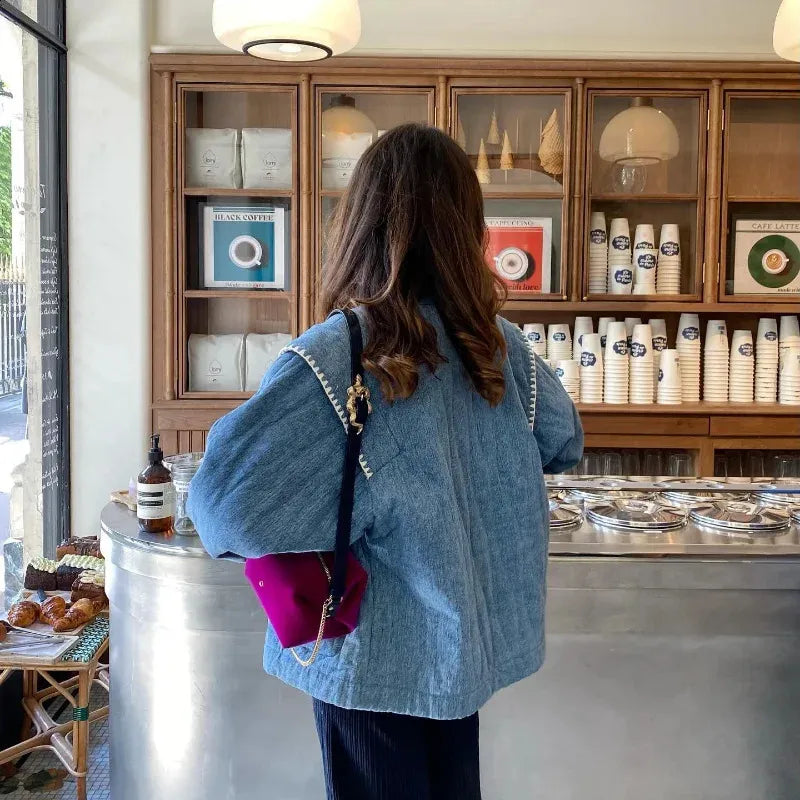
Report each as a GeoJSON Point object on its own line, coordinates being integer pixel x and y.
{"type": "Point", "coordinates": [155, 494]}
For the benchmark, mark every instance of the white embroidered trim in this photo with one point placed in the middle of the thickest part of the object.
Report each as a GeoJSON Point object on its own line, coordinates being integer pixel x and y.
{"type": "Point", "coordinates": [532, 400]}
{"type": "Point", "coordinates": [337, 406]}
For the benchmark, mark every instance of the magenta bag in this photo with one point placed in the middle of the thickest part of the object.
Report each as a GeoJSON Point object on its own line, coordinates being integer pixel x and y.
{"type": "Point", "coordinates": [310, 597]}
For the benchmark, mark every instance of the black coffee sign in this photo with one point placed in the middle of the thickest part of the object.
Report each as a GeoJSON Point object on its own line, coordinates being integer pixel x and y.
{"type": "Point", "coordinates": [621, 243]}
{"type": "Point", "coordinates": [638, 349]}
{"type": "Point", "coordinates": [646, 261]}
{"type": "Point", "coordinates": [670, 248]}
{"type": "Point", "coordinates": [623, 276]}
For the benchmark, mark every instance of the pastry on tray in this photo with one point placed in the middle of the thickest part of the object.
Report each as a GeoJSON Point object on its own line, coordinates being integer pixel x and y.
{"type": "Point", "coordinates": [79, 546]}
{"type": "Point", "coordinates": [24, 613]}
{"type": "Point", "coordinates": [53, 609]}
{"type": "Point", "coordinates": [90, 584]}
{"type": "Point", "coordinates": [71, 566]}
{"type": "Point", "coordinates": [78, 614]}
{"type": "Point", "coordinates": [41, 574]}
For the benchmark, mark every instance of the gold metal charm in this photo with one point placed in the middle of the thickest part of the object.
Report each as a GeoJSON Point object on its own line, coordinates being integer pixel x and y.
{"type": "Point", "coordinates": [358, 391]}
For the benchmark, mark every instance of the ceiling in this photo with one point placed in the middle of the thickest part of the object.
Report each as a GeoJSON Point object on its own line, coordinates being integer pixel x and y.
{"type": "Point", "coordinates": [546, 28]}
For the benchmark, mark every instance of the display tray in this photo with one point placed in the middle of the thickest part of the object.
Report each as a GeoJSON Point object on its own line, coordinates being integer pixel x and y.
{"type": "Point", "coordinates": [43, 627]}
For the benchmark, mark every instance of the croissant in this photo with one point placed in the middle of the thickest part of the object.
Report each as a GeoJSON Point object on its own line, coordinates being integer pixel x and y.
{"type": "Point", "coordinates": [3, 631]}
{"type": "Point", "coordinates": [24, 613]}
{"type": "Point", "coordinates": [79, 613]}
{"type": "Point", "coordinates": [53, 609]}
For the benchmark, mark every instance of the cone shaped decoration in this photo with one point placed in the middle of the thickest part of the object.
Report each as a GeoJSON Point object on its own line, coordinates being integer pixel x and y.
{"type": "Point", "coordinates": [551, 146]}
{"type": "Point", "coordinates": [482, 170]}
{"type": "Point", "coordinates": [461, 134]}
{"type": "Point", "coordinates": [506, 156]}
{"type": "Point", "coordinates": [493, 137]}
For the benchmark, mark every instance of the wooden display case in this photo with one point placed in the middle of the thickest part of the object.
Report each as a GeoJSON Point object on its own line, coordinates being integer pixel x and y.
{"type": "Point", "coordinates": [739, 153]}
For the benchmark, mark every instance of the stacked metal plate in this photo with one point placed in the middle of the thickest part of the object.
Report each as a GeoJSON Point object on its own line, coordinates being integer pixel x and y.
{"type": "Point", "coordinates": [636, 515]}
{"type": "Point", "coordinates": [563, 515]}
{"type": "Point", "coordinates": [795, 512]}
{"type": "Point", "coordinates": [777, 499]}
{"type": "Point", "coordinates": [606, 489]}
{"type": "Point", "coordinates": [751, 519]}
{"type": "Point", "coordinates": [703, 497]}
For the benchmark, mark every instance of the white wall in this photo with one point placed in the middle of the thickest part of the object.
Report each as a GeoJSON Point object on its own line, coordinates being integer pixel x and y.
{"type": "Point", "coordinates": [108, 248]}
{"type": "Point", "coordinates": [569, 28]}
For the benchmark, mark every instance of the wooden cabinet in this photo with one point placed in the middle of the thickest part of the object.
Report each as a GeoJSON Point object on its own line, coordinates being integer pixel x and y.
{"type": "Point", "coordinates": [733, 152]}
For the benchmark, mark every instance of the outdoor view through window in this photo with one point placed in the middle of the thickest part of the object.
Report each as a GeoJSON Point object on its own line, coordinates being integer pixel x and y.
{"type": "Point", "coordinates": [33, 424]}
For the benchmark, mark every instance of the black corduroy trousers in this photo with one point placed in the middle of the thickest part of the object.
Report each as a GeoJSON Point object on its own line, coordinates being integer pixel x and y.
{"type": "Point", "coordinates": [368, 755]}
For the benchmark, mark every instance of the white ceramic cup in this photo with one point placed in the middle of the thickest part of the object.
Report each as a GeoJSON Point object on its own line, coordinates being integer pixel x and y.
{"type": "Point", "coordinates": [688, 331]}
{"type": "Point", "coordinates": [767, 331]}
{"type": "Point", "coordinates": [670, 243]}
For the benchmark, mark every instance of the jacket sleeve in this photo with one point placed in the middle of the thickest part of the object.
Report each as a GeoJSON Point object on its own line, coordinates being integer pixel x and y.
{"type": "Point", "coordinates": [556, 424]}
{"type": "Point", "coordinates": [270, 478]}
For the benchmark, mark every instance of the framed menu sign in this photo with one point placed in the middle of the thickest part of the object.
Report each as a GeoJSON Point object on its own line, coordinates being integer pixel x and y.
{"type": "Point", "coordinates": [519, 252]}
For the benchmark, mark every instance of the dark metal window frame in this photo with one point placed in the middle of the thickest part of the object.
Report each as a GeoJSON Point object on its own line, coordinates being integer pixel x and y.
{"type": "Point", "coordinates": [59, 527]}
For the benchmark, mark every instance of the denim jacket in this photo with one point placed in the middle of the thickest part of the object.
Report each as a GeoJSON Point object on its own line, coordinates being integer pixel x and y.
{"type": "Point", "coordinates": [450, 519]}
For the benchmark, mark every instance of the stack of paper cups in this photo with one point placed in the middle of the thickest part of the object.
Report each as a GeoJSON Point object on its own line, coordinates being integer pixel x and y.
{"type": "Point", "coordinates": [789, 393]}
{"type": "Point", "coordinates": [669, 378]}
{"type": "Point", "coordinates": [620, 274]}
{"type": "Point", "coordinates": [641, 365]}
{"type": "Point", "coordinates": [789, 333]}
{"type": "Point", "coordinates": [536, 335]}
{"type": "Point", "coordinates": [568, 372]}
{"type": "Point", "coordinates": [659, 328]}
{"type": "Point", "coordinates": [688, 346]}
{"type": "Point", "coordinates": [591, 369]}
{"type": "Point", "coordinates": [559, 343]}
{"type": "Point", "coordinates": [615, 364]}
{"type": "Point", "coordinates": [767, 361]}
{"type": "Point", "coordinates": [602, 328]}
{"type": "Point", "coordinates": [630, 324]}
{"type": "Point", "coordinates": [668, 276]}
{"type": "Point", "coordinates": [583, 325]}
{"type": "Point", "coordinates": [742, 367]}
{"type": "Point", "coordinates": [645, 257]}
{"type": "Point", "coordinates": [598, 254]}
{"type": "Point", "coordinates": [715, 362]}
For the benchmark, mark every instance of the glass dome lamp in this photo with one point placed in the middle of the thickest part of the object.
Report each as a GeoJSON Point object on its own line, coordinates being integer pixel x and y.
{"type": "Point", "coordinates": [343, 117]}
{"type": "Point", "coordinates": [786, 34]}
{"type": "Point", "coordinates": [639, 136]}
{"type": "Point", "coordinates": [288, 30]}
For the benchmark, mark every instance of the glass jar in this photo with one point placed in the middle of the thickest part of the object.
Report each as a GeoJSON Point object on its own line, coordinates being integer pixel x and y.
{"type": "Point", "coordinates": [183, 468]}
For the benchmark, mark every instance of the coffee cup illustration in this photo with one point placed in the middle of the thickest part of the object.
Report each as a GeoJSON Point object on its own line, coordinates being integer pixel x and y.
{"type": "Point", "coordinates": [246, 252]}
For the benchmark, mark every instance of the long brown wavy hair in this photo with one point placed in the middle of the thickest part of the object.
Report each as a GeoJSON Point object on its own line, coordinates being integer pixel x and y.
{"type": "Point", "coordinates": [409, 227]}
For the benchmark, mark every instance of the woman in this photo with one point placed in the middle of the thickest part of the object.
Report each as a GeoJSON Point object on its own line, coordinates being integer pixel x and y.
{"type": "Point", "coordinates": [451, 513]}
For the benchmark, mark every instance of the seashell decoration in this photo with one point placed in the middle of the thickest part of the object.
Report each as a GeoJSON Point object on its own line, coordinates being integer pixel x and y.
{"type": "Point", "coordinates": [482, 169]}
{"type": "Point", "coordinates": [506, 156]}
{"type": "Point", "coordinates": [551, 146]}
{"type": "Point", "coordinates": [461, 134]}
{"type": "Point", "coordinates": [493, 137]}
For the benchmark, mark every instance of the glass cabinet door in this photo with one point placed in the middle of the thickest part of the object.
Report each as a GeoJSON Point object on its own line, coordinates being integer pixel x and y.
{"type": "Point", "coordinates": [760, 247]}
{"type": "Point", "coordinates": [348, 120]}
{"type": "Point", "coordinates": [237, 245]}
{"type": "Point", "coordinates": [643, 233]}
{"type": "Point", "coordinates": [518, 142]}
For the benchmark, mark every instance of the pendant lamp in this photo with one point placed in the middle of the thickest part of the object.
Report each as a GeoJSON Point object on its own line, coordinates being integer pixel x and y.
{"type": "Point", "coordinates": [639, 136]}
{"type": "Point", "coordinates": [786, 34]}
{"type": "Point", "coordinates": [288, 30]}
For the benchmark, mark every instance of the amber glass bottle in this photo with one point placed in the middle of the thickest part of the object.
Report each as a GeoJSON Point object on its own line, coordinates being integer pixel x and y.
{"type": "Point", "coordinates": [155, 494]}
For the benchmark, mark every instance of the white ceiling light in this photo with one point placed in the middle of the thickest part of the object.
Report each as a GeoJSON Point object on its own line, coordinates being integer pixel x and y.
{"type": "Point", "coordinates": [288, 30]}
{"type": "Point", "coordinates": [786, 34]}
{"type": "Point", "coordinates": [639, 136]}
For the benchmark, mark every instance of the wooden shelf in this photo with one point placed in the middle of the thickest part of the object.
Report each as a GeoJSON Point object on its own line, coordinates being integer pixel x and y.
{"type": "Point", "coordinates": [645, 198]}
{"type": "Point", "coordinates": [510, 193]}
{"type": "Point", "coordinates": [707, 409]}
{"type": "Point", "coordinates": [245, 294]}
{"type": "Point", "coordinates": [741, 199]}
{"type": "Point", "coordinates": [216, 396]}
{"type": "Point", "coordinates": [331, 192]}
{"type": "Point", "coordinates": [597, 306]}
{"type": "Point", "coordinates": [202, 191]}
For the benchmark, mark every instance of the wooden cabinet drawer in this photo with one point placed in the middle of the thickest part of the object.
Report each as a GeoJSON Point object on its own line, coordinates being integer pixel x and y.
{"type": "Point", "coordinates": [653, 425]}
{"type": "Point", "coordinates": [756, 426]}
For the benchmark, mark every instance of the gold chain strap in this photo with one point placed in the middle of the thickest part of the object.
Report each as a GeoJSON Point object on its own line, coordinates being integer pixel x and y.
{"type": "Point", "coordinates": [321, 633]}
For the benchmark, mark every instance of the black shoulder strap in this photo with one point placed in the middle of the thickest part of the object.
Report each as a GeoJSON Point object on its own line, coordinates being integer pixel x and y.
{"type": "Point", "coordinates": [351, 457]}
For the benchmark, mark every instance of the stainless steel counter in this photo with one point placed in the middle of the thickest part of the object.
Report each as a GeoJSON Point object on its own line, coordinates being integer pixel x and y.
{"type": "Point", "coordinates": [641, 650]}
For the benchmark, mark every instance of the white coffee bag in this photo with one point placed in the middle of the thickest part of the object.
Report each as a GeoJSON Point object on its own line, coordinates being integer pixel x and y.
{"type": "Point", "coordinates": [212, 158]}
{"type": "Point", "coordinates": [216, 363]}
{"type": "Point", "coordinates": [261, 349]}
{"type": "Point", "coordinates": [266, 158]}
{"type": "Point", "coordinates": [340, 154]}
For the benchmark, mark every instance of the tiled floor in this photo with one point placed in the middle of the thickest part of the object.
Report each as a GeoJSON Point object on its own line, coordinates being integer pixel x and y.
{"type": "Point", "coordinates": [42, 777]}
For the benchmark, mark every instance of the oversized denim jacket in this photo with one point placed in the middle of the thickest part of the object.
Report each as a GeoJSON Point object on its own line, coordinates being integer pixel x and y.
{"type": "Point", "coordinates": [450, 519]}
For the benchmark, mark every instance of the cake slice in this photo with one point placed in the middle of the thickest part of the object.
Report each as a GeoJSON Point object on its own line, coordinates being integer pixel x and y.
{"type": "Point", "coordinates": [41, 574]}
